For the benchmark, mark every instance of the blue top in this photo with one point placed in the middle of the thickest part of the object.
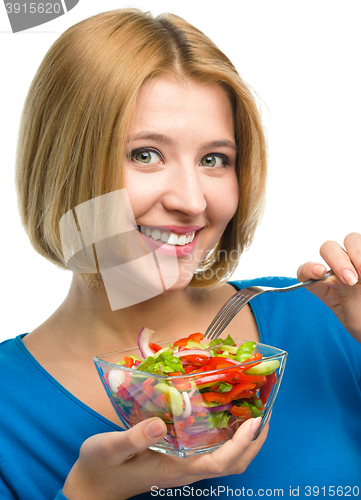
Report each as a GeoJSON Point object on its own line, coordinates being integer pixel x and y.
{"type": "Point", "coordinates": [315, 432]}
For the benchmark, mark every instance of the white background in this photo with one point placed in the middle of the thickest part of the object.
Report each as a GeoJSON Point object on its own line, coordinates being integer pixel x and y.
{"type": "Point", "coordinates": [303, 60]}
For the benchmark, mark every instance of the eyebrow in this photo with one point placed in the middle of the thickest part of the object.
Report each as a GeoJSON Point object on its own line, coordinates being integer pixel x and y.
{"type": "Point", "coordinates": [156, 137]}
{"type": "Point", "coordinates": [219, 144]}
{"type": "Point", "coordinates": [169, 142]}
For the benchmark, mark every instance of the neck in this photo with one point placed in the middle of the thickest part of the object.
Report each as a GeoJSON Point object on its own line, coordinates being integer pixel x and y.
{"type": "Point", "coordinates": [85, 317]}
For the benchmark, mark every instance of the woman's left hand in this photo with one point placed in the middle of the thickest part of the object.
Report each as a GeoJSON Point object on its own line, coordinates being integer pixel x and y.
{"type": "Point", "coordinates": [342, 292]}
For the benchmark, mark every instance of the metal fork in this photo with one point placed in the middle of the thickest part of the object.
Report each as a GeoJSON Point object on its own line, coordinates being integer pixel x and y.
{"type": "Point", "coordinates": [241, 298]}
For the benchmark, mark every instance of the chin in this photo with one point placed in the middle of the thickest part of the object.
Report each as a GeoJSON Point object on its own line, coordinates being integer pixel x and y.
{"type": "Point", "coordinates": [180, 284]}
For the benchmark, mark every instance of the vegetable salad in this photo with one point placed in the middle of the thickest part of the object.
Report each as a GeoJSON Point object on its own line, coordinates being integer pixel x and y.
{"type": "Point", "coordinates": [203, 392]}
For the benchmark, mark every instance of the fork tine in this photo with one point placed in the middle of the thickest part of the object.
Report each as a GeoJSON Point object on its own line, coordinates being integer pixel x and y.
{"type": "Point", "coordinates": [232, 313]}
{"type": "Point", "coordinates": [226, 319]}
{"type": "Point", "coordinates": [223, 315]}
{"type": "Point", "coordinates": [221, 312]}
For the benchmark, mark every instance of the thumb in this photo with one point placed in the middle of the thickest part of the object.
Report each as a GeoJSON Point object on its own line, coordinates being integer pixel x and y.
{"type": "Point", "coordinates": [113, 448]}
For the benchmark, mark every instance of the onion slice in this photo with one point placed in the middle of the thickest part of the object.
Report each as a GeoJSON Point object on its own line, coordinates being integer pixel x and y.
{"type": "Point", "coordinates": [115, 379]}
{"type": "Point", "coordinates": [207, 409]}
{"type": "Point", "coordinates": [144, 338]}
{"type": "Point", "coordinates": [187, 405]}
{"type": "Point", "coordinates": [190, 352]}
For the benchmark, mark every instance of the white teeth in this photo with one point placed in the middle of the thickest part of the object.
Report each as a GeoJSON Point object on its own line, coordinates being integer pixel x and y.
{"type": "Point", "coordinates": [182, 239]}
{"type": "Point", "coordinates": [156, 234]}
{"type": "Point", "coordinates": [172, 239]}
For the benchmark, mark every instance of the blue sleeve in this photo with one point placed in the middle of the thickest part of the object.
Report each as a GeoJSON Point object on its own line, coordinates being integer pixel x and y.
{"type": "Point", "coordinates": [60, 496]}
{"type": "Point", "coordinates": [5, 491]}
{"type": "Point", "coordinates": [7, 494]}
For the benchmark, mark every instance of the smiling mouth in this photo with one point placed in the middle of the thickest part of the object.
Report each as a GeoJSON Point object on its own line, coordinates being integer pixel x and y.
{"type": "Point", "coordinates": [167, 236]}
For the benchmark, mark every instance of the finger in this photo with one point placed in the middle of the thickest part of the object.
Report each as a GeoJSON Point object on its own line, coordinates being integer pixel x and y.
{"type": "Point", "coordinates": [340, 262]}
{"type": "Point", "coordinates": [113, 448]}
{"type": "Point", "coordinates": [242, 463]}
{"type": "Point", "coordinates": [352, 244]}
{"type": "Point", "coordinates": [311, 271]}
{"type": "Point", "coordinates": [218, 462]}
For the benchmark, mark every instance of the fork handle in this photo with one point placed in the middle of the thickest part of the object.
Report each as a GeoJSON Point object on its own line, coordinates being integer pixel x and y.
{"type": "Point", "coordinates": [306, 283]}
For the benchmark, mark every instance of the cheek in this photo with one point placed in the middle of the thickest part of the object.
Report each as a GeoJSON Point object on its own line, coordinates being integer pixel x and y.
{"type": "Point", "coordinates": [224, 201]}
{"type": "Point", "coordinates": [141, 194]}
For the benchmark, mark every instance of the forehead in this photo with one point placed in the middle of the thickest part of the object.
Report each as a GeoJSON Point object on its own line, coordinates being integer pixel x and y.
{"type": "Point", "coordinates": [174, 104]}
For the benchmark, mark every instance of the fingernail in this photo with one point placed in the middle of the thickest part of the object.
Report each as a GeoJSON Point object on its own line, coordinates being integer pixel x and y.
{"type": "Point", "coordinates": [318, 271]}
{"type": "Point", "coordinates": [155, 428]}
{"type": "Point", "coordinates": [255, 425]}
{"type": "Point", "coordinates": [349, 277]}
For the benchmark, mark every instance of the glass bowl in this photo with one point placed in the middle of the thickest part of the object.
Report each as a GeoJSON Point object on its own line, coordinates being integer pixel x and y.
{"type": "Point", "coordinates": [196, 423]}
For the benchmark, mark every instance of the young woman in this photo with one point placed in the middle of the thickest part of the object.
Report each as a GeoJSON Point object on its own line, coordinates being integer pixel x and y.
{"type": "Point", "coordinates": [126, 101]}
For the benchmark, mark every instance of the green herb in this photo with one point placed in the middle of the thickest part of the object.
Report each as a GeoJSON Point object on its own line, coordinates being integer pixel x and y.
{"type": "Point", "coordinates": [218, 419]}
{"type": "Point", "coordinates": [245, 351]}
{"type": "Point", "coordinates": [224, 387]}
{"type": "Point", "coordinates": [162, 364]}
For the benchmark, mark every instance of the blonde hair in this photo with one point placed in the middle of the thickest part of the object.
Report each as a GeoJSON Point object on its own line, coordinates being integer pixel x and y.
{"type": "Point", "coordinates": [76, 116]}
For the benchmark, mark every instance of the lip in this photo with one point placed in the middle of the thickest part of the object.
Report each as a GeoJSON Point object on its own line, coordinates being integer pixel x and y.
{"type": "Point", "coordinates": [174, 229]}
{"type": "Point", "coordinates": [170, 250]}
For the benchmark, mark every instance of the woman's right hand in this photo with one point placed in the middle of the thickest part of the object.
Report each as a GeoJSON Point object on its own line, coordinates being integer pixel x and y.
{"type": "Point", "coordinates": [119, 465]}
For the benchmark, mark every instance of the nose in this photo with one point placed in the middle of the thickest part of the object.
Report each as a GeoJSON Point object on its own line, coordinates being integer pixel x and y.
{"type": "Point", "coordinates": [185, 192]}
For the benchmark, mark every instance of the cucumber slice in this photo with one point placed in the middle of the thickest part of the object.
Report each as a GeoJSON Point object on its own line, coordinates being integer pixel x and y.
{"type": "Point", "coordinates": [229, 348]}
{"type": "Point", "coordinates": [264, 368]}
{"type": "Point", "coordinates": [174, 398]}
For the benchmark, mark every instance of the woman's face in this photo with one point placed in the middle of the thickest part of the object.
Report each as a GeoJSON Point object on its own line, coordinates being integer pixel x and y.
{"type": "Point", "coordinates": [180, 172]}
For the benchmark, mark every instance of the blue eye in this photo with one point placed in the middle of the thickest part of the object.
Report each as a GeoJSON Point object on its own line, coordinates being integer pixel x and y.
{"type": "Point", "coordinates": [214, 161]}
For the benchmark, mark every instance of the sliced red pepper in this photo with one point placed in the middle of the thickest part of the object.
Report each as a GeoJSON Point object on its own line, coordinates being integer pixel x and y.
{"type": "Point", "coordinates": [257, 357]}
{"type": "Point", "coordinates": [179, 426]}
{"type": "Point", "coordinates": [148, 388]}
{"type": "Point", "coordinates": [189, 420]}
{"type": "Point", "coordinates": [182, 437]}
{"type": "Point", "coordinates": [128, 361]}
{"type": "Point", "coordinates": [231, 376]}
{"type": "Point", "coordinates": [182, 384]}
{"type": "Point", "coordinates": [220, 362]}
{"type": "Point", "coordinates": [160, 401]}
{"type": "Point", "coordinates": [259, 380]}
{"type": "Point", "coordinates": [123, 393]}
{"type": "Point", "coordinates": [197, 400]}
{"type": "Point", "coordinates": [195, 359]}
{"type": "Point", "coordinates": [241, 411]}
{"type": "Point", "coordinates": [154, 347]}
{"type": "Point", "coordinates": [197, 337]}
{"type": "Point", "coordinates": [200, 370]}
{"type": "Point", "coordinates": [266, 389]}
{"type": "Point", "coordinates": [223, 398]}
{"type": "Point", "coordinates": [143, 398]}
